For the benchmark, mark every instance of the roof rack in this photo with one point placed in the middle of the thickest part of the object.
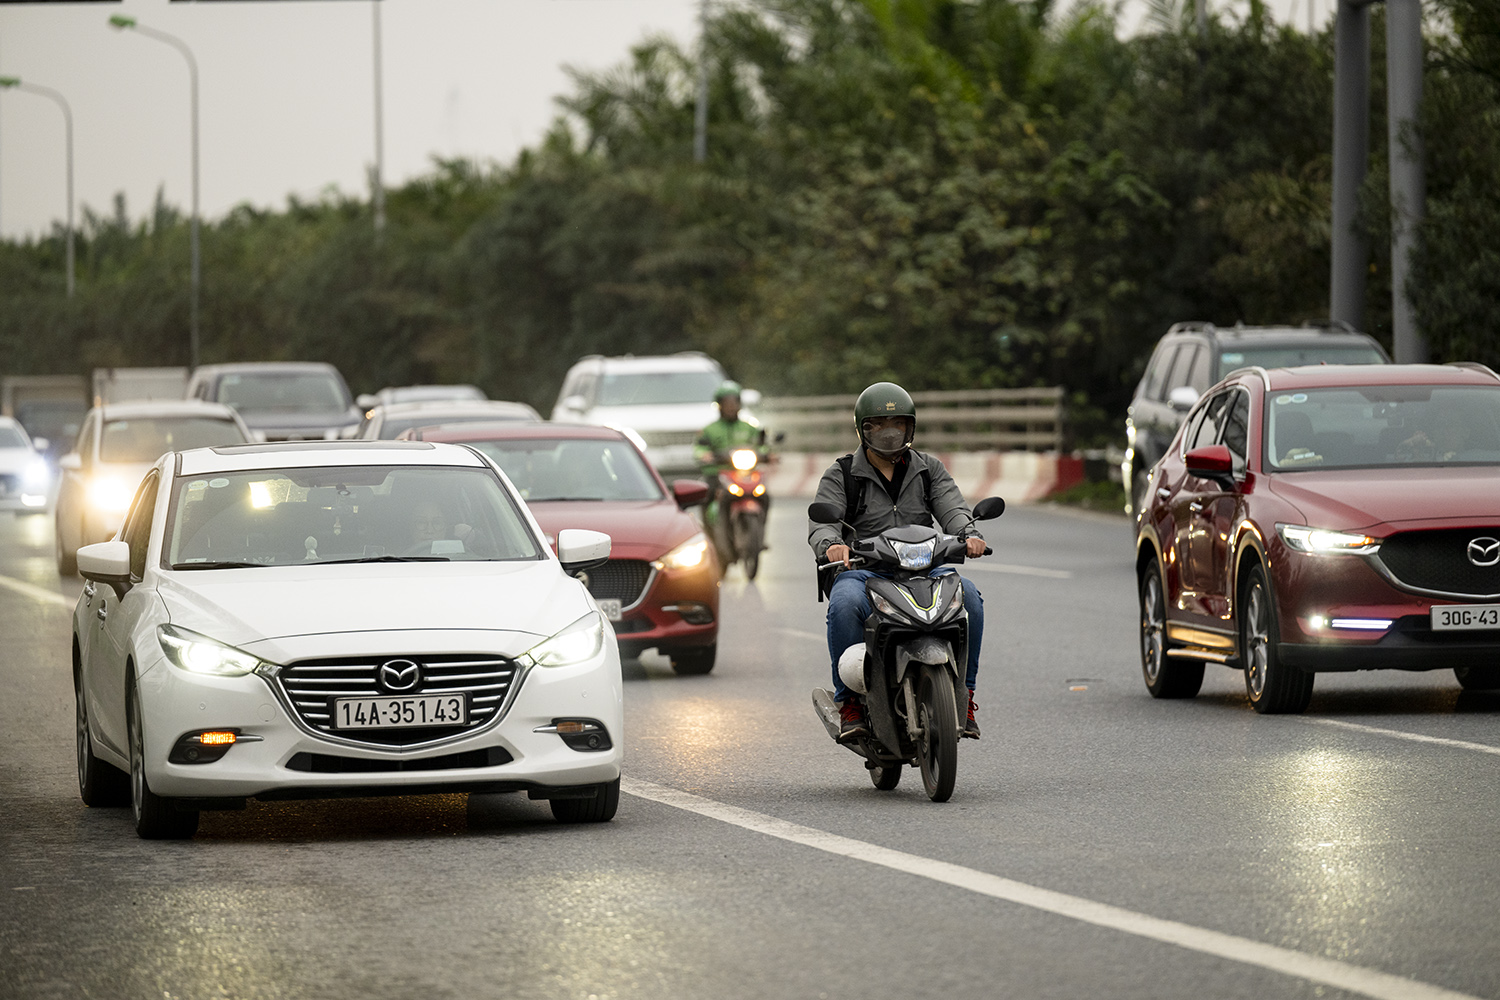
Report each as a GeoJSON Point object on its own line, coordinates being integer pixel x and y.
{"type": "Point", "coordinates": [1475, 366]}
{"type": "Point", "coordinates": [1192, 326]}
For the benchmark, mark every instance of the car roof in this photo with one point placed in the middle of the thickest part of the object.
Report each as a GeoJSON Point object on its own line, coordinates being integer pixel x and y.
{"type": "Point", "coordinates": [688, 361]}
{"type": "Point", "coordinates": [1332, 376]}
{"type": "Point", "coordinates": [457, 406]}
{"type": "Point", "coordinates": [515, 431]}
{"type": "Point", "coordinates": [312, 454]}
{"type": "Point", "coordinates": [144, 408]}
{"type": "Point", "coordinates": [269, 367]}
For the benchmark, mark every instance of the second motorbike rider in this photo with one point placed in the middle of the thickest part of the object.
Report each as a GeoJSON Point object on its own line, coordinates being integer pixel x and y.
{"type": "Point", "coordinates": [712, 449]}
{"type": "Point", "coordinates": [891, 484]}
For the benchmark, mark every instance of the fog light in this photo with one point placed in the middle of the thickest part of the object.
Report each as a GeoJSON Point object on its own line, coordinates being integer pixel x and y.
{"type": "Point", "coordinates": [692, 612]}
{"type": "Point", "coordinates": [1364, 624]}
{"type": "Point", "coordinates": [207, 746]}
{"type": "Point", "coordinates": [583, 735]}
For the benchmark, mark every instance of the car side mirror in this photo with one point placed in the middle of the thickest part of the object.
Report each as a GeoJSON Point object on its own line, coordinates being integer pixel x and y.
{"type": "Point", "coordinates": [689, 492]}
{"type": "Point", "coordinates": [1211, 462]}
{"type": "Point", "coordinates": [1182, 398]}
{"type": "Point", "coordinates": [71, 462]}
{"type": "Point", "coordinates": [579, 549]}
{"type": "Point", "coordinates": [39, 444]}
{"type": "Point", "coordinates": [989, 508]}
{"type": "Point", "coordinates": [824, 513]}
{"type": "Point", "coordinates": [750, 397]}
{"type": "Point", "coordinates": [106, 562]}
{"type": "Point", "coordinates": [575, 403]}
{"type": "Point", "coordinates": [365, 401]}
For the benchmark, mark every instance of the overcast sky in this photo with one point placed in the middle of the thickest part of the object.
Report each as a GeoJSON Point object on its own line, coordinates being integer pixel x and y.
{"type": "Point", "coordinates": [286, 92]}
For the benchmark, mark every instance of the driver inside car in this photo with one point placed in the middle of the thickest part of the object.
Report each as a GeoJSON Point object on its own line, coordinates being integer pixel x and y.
{"type": "Point", "coordinates": [886, 484]}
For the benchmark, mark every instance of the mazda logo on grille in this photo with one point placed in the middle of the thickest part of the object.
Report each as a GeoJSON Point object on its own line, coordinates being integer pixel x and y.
{"type": "Point", "coordinates": [399, 675]}
{"type": "Point", "coordinates": [1484, 551]}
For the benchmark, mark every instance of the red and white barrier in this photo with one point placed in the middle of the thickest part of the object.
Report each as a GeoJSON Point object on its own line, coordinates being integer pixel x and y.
{"type": "Point", "coordinates": [1018, 476]}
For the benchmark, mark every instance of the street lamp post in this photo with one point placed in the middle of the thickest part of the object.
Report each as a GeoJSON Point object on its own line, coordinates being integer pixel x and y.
{"type": "Point", "coordinates": [121, 22]}
{"type": "Point", "coordinates": [11, 82]}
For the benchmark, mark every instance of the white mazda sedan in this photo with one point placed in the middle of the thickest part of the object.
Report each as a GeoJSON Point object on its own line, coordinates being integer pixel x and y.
{"type": "Point", "coordinates": [326, 619]}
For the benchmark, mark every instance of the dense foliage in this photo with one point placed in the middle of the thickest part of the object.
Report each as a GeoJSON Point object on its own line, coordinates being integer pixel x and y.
{"type": "Point", "coordinates": [951, 193]}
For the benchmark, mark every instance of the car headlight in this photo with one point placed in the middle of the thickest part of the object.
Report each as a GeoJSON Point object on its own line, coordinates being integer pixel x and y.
{"type": "Point", "coordinates": [198, 654]}
{"type": "Point", "coordinates": [36, 473]}
{"type": "Point", "coordinates": [110, 494]}
{"type": "Point", "coordinates": [687, 555]}
{"type": "Point", "coordinates": [580, 641]}
{"type": "Point", "coordinates": [744, 459]}
{"type": "Point", "coordinates": [1319, 540]}
{"type": "Point", "coordinates": [915, 555]}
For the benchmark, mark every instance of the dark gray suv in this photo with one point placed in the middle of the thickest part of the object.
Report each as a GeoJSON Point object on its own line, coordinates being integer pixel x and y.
{"type": "Point", "coordinates": [1193, 356]}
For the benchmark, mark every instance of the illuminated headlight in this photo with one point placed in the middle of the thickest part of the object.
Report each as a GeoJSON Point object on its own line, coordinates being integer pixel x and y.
{"type": "Point", "coordinates": [198, 654]}
{"type": "Point", "coordinates": [759, 491]}
{"type": "Point", "coordinates": [36, 474]}
{"type": "Point", "coordinates": [577, 643]}
{"type": "Point", "coordinates": [1317, 540]}
{"type": "Point", "coordinates": [885, 607]}
{"type": "Point", "coordinates": [735, 489]}
{"type": "Point", "coordinates": [915, 555]}
{"type": "Point", "coordinates": [743, 459]}
{"type": "Point", "coordinates": [687, 555]}
{"type": "Point", "coordinates": [110, 494]}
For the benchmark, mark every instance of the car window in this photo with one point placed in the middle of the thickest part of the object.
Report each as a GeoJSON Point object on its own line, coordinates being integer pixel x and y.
{"type": "Point", "coordinates": [573, 469]}
{"type": "Point", "coordinates": [137, 532]}
{"type": "Point", "coordinates": [1290, 356]}
{"type": "Point", "coordinates": [1236, 428]}
{"type": "Point", "coordinates": [146, 439]}
{"type": "Point", "coordinates": [1198, 373]}
{"type": "Point", "coordinates": [301, 516]}
{"type": "Point", "coordinates": [1208, 425]}
{"type": "Point", "coordinates": [1383, 425]}
{"type": "Point", "coordinates": [286, 392]}
{"type": "Point", "coordinates": [1156, 373]}
{"type": "Point", "coordinates": [655, 388]}
{"type": "Point", "coordinates": [11, 437]}
{"type": "Point", "coordinates": [1181, 365]}
{"type": "Point", "coordinates": [85, 444]}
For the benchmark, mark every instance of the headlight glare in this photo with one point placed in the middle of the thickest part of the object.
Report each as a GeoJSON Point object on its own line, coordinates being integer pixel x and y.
{"type": "Point", "coordinates": [743, 459]}
{"type": "Point", "coordinates": [110, 494]}
{"type": "Point", "coordinates": [685, 556]}
{"type": "Point", "coordinates": [1320, 541]}
{"type": "Point", "coordinates": [580, 641]}
{"type": "Point", "coordinates": [198, 654]}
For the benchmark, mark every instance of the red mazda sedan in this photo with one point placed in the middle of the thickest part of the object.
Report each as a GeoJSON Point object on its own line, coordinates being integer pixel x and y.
{"type": "Point", "coordinates": [660, 587]}
{"type": "Point", "coordinates": [1326, 518]}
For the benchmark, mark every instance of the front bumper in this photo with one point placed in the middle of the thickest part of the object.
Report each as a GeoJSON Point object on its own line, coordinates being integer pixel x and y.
{"type": "Point", "coordinates": [288, 761]}
{"type": "Point", "coordinates": [659, 619]}
{"type": "Point", "coordinates": [1409, 644]}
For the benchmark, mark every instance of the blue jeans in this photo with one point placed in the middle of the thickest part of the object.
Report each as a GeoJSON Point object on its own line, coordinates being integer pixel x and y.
{"type": "Point", "coordinates": [849, 606]}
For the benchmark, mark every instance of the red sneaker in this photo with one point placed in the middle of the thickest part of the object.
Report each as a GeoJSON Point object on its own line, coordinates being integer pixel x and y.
{"type": "Point", "coordinates": [852, 719]}
{"type": "Point", "coordinates": [971, 728]}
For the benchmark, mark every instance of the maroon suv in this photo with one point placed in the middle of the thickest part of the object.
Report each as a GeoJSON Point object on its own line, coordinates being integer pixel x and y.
{"type": "Point", "coordinates": [1326, 518]}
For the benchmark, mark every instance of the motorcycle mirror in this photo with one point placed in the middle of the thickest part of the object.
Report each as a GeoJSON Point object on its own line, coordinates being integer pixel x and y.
{"type": "Point", "coordinates": [824, 513]}
{"type": "Point", "coordinates": [989, 508]}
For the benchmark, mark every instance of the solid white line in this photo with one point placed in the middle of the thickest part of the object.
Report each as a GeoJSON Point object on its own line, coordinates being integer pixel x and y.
{"type": "Point", "coordinates": [1051, 574]}
{"type": "Point", "coordinates": [40, 593]}
{"type": "Point", "coordinates": [1313, 968]}
{"type": "Point", "coordinates": [1400, 735]}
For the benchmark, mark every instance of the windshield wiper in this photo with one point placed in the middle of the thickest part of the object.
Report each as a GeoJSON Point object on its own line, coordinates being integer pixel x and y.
{"type": "Point", "coordinates": [218, 565]}
{"type": "Point", "coordinates": [377, 559]}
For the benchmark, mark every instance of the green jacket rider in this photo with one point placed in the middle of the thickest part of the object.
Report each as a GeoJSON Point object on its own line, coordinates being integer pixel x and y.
{"type": "Point", "coordinates": [711, 451]}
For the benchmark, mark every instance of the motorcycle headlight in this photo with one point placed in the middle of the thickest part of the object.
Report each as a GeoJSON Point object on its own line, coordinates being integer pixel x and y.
{"type": "Point", "coordinates": [744, 459]}
{"type": "Point", "coordinates": [580, 641]}
{"type": "Point", "coordinates": [687, 555]}
{"type": "Point", "coordinates": [110, 494]}
{"type": "Point", "coordinates": [1317, 540]}
{"type": "Point", "coordinates": [915, 555]}
{"type": "Point", "coordinates": [198, 654]}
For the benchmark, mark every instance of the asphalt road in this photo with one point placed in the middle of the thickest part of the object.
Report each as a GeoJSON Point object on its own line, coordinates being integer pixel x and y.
{"type": "Point", "coordinates": [1099, 843]}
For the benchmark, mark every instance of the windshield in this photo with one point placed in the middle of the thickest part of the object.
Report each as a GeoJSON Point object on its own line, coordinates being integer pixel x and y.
{"type": "Point", "coordinates": [286, 392]}
{"type": "Point", "coordinates": [646, 388]}
{"type": "Point", "coordinates": [574, 469]}
{"type": "Point", "coordinates": [1292, 356]}
{"type": "Point", "coordinates": [392, 429]}
{"type": "Point", "coordinates": [10, 437]}
{"type": "Point", "coordinates": [55, 419]}
{"type": "Point", "coordinates": [1377, 426]}
{"type": "Point", "coordinates": [280, 517]}
{"type": "Point", "coordinates": [148, 438]}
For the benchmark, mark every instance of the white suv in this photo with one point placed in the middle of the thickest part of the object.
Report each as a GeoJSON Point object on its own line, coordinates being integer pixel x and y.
{"type": "Point", "coordinates": [667, 400]}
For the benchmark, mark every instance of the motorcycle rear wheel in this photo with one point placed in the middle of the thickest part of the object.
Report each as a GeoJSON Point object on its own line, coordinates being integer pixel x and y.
{"type": "Point", "coordinates": [886, 778]}
{"type": "Point", "coordinates": [937, 739]}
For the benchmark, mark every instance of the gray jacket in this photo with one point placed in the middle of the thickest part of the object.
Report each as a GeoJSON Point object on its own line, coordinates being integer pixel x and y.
{"type": "Point", "coordinates": [944, 509]}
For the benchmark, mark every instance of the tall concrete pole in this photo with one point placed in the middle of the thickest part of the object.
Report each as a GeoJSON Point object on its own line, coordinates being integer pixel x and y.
{"type": "Point", "coordinates": [700, 112]}
{"type": "Point", "coordinates": [1351, 158]}
{"type": "Point", "coordinates": [1403, 46]}
{"type": "Point", "coordinates": [7, 82]}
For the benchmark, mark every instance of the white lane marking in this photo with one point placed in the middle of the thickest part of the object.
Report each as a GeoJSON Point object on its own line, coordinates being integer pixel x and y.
{"type": "Point", "coordinates": [1400, 735]}
{"type": "Point", "coordinates": [40, 593]}
{"type": "Point", "coordinates": [1313, 968]}
{"type": "Point", "coordinates": [799, 634]}
{"type": "Point", "coordinates": [1051, 574]}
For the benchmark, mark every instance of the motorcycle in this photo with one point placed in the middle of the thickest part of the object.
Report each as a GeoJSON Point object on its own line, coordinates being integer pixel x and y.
{"type": "Point", "coordinates": [911, 667]}
{"type": "Point", "coordinates": [738, 526]}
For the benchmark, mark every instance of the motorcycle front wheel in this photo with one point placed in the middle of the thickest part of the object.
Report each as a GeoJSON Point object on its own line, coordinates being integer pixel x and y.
{"type": "Point", "coordinates": [937, 737]}
{"type": "Point", "coordinates": [749, 540]}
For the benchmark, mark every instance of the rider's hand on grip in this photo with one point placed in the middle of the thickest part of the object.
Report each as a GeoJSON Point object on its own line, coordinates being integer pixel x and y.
{"type": "Point", "coordinates": [974, 548]}
{"type": "Point", "coordinates": [838, 554]}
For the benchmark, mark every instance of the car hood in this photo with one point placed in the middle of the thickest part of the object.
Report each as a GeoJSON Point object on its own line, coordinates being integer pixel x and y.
{"type": "Point", "coordinates": [659, 417]}
{"type": "Point", "coordinates": [251, 607]}
{"type": "Point", "coordinates": [291, 420]}
{"type": "Point", "coordinates": [646, 529]}
{"type": "Point", "coordinates": [1378, 501]}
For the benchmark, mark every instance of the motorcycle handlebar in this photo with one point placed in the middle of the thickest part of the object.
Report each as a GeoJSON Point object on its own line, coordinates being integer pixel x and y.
{"type": "Point", "coordinates": [856, 561]}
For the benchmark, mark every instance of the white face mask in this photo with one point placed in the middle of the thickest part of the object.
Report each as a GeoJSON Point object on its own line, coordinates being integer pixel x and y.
{"type": "Point", "coordinates": [887, 441]}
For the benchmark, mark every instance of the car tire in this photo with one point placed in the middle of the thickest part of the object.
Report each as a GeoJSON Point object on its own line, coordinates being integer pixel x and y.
{"type": "Point", "coordinates": [100, 785]}
{"type": "Point", "coordinates": [1477, 678]}
{"type": "Point", "coordinates": [599, 809]}
{"type": "Point", "coordinates": [694, 661]}
{"type": "Point", "coordinates": [156, 818]}
{"type": "Point", "coordinates": [67, 561]}
{"type": "Point", "coordinates": [1274, 687]}
{"type": "Point", "coordinates": [1165, 676]}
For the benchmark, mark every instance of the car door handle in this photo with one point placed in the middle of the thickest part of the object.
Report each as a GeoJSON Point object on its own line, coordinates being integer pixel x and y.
{"type": "Point", "coordinates": [103, 611]}
{"type": "Point", "coordinates": [1163, 492]}
{"type": "Point", "coordinates": [1196, 506]}
{"type": "Point", "coordinates": [88, 592]}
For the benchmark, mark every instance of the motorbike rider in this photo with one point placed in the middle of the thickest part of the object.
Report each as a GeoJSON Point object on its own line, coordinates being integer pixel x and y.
{"type": "Point", "coordinates": [712, 449]}
{"type": "Point", "coordinates": [892, 484]}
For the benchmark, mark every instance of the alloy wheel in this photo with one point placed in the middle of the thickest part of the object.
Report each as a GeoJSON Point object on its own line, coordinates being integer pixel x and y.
{"type": "Point", "coordinates": [1153, 628]}
{"type": "Point", "coordinates": [1257, 638]}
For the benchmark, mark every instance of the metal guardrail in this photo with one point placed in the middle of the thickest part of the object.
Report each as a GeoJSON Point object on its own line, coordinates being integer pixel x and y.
{"type": "Point", "coordinates": [959, 420]}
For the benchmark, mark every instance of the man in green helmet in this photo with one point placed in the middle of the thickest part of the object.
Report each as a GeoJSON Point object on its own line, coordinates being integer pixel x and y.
{"type": "Point", "coordinates": [884, 484]}
{"type": "Point", "coordinates": [712, 450]}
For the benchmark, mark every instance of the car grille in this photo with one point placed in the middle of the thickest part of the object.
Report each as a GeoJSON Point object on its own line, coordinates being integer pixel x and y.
{"type": "Point", "coordinates": [311, 686]}
{"type": "Point", "coordinates": [1439, 560]}
{"type": "Point", "coordinates": [666, 439]}
{"type": "Point", "coordinates": [623, 580]}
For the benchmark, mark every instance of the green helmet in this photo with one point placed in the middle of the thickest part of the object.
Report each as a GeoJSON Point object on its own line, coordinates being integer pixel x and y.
{"type": "Point", "coordinates": [885, 399]}
{"type": "Point", "coordinates": [727, 388]}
